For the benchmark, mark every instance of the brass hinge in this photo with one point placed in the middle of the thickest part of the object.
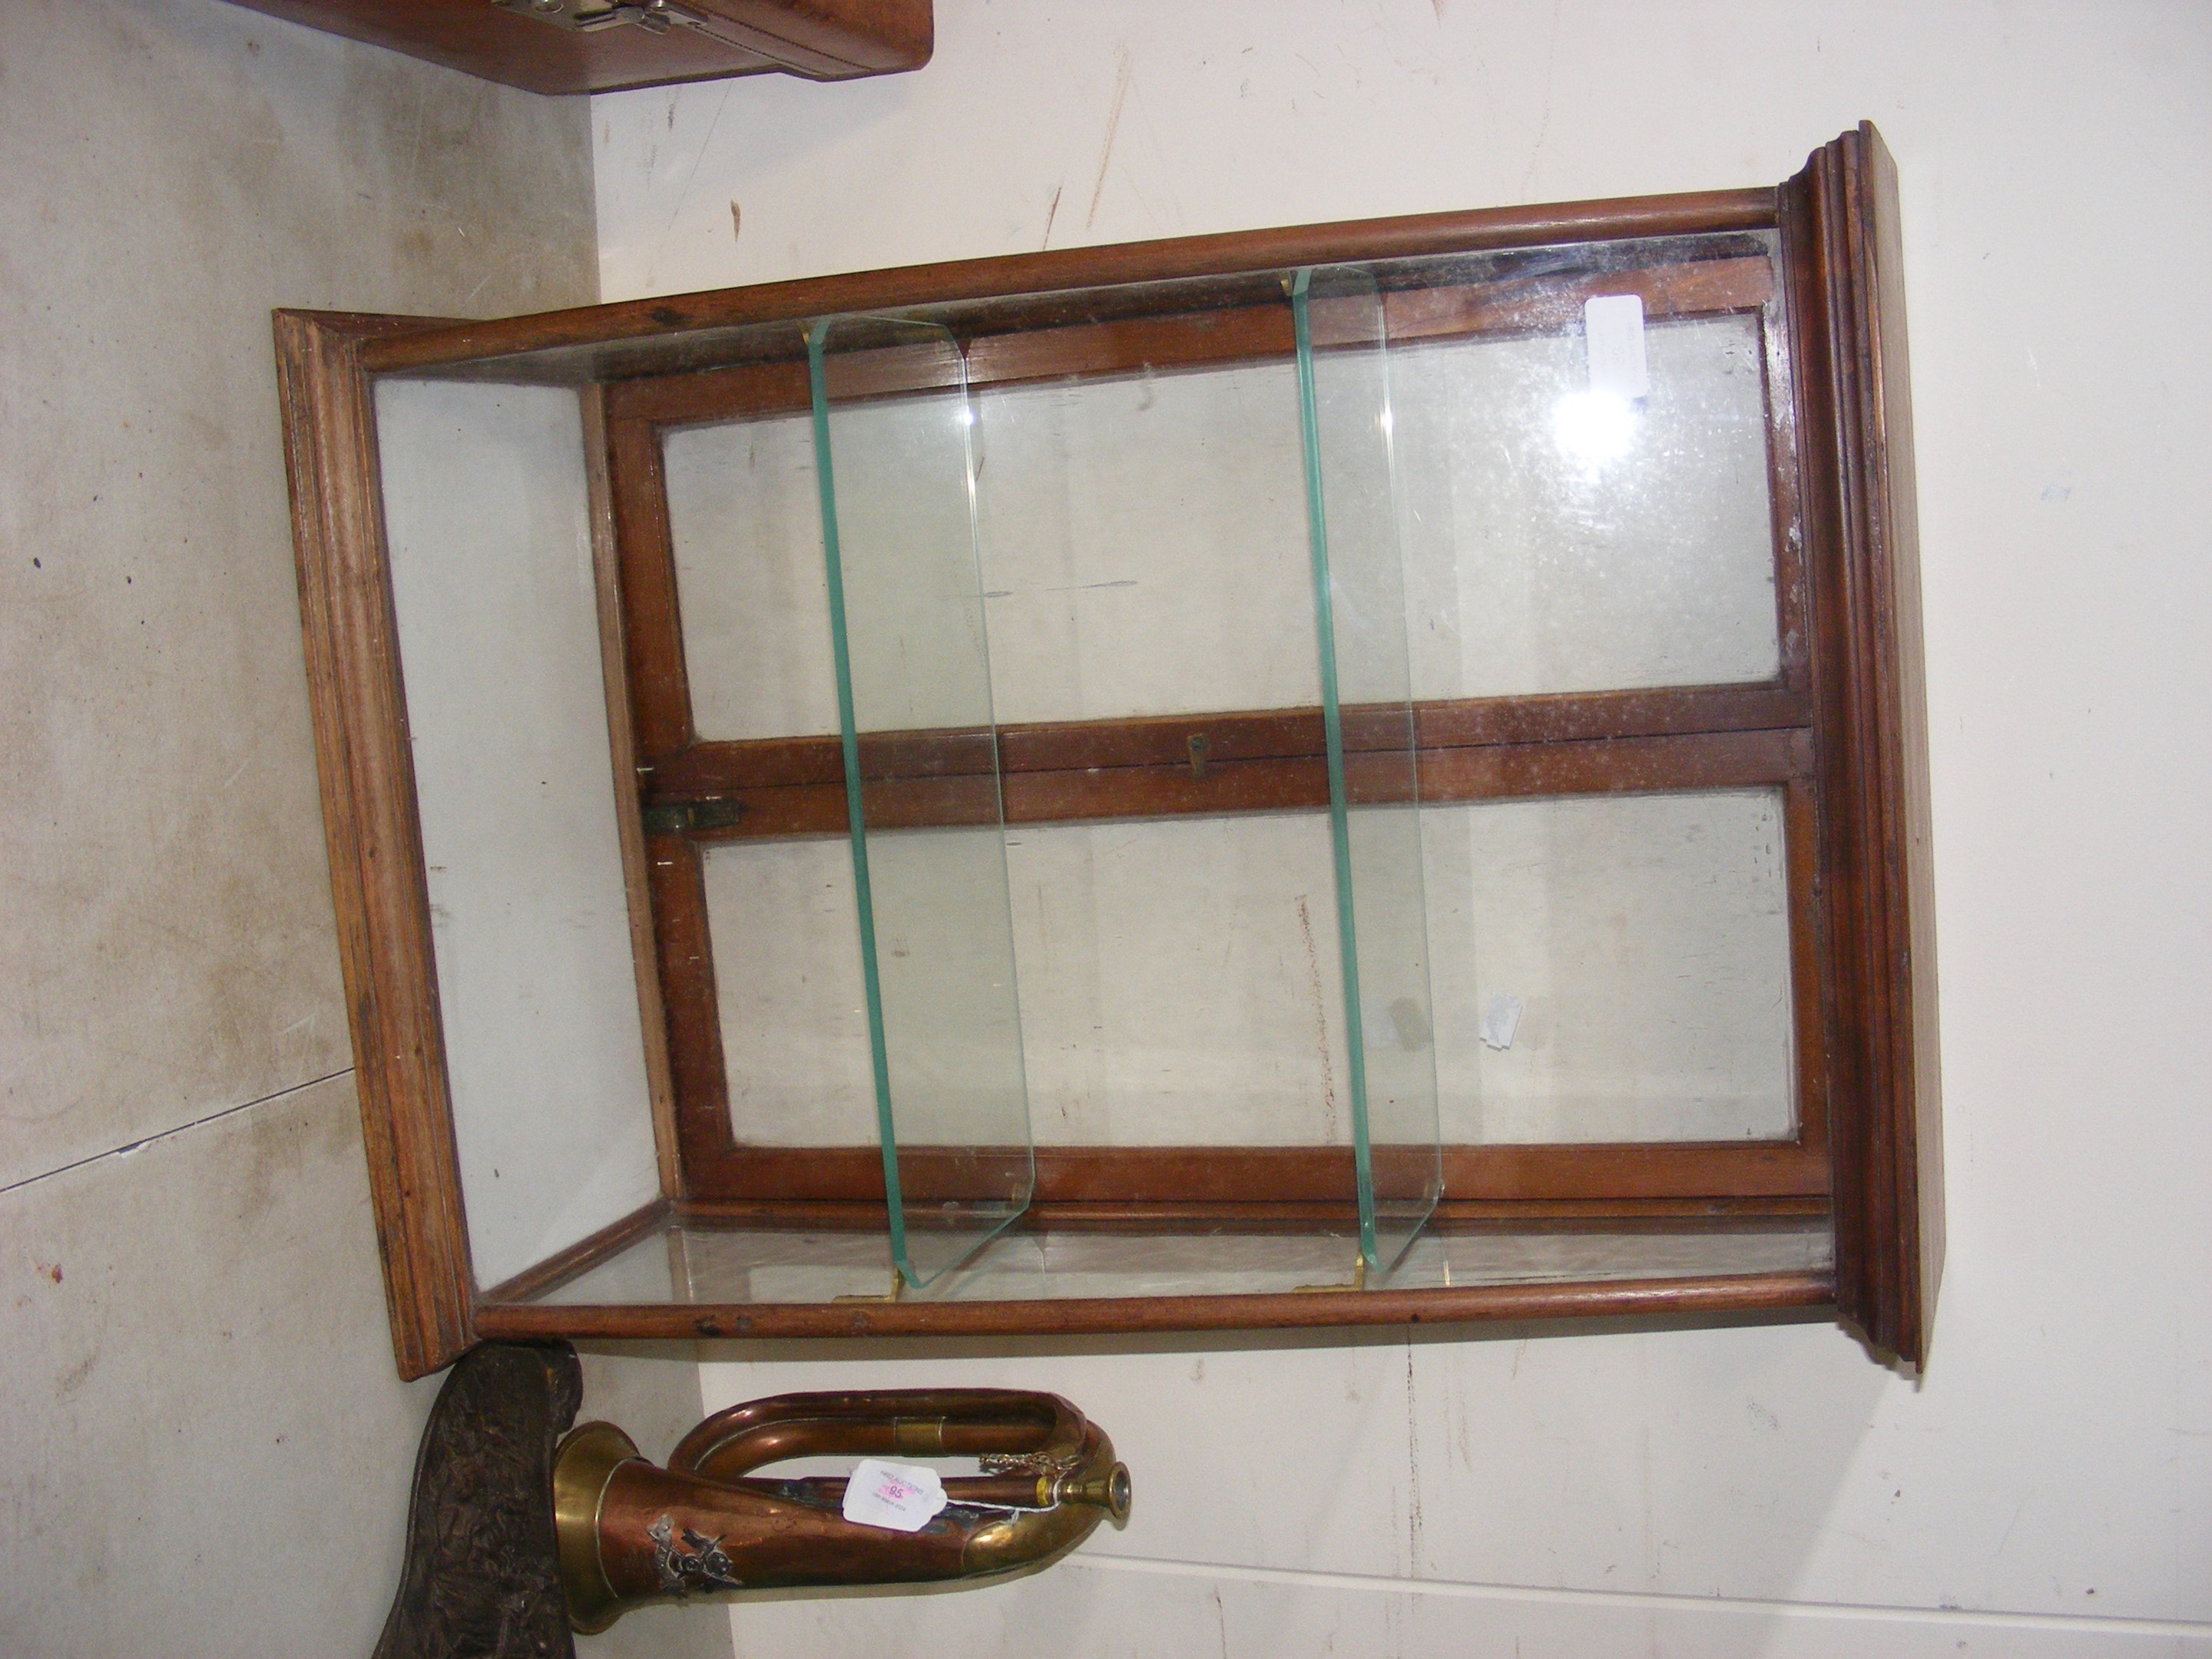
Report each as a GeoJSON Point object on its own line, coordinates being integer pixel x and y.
{"type": "Point", "coordinates": [690, 818]}
{"type": "Point", "coordinates": [896, 1293]}
{"type": "Point", "coordinates": [1359, 1281]}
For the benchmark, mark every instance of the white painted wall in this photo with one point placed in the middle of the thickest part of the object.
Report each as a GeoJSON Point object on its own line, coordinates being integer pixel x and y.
{"type": "Point", "coordinates": [2048, 1488]}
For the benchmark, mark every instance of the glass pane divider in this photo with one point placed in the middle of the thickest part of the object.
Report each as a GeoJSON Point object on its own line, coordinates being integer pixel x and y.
{"type": "Point", "coordinates": [848, 737]}
{"type": "Point", "coordinates": [933, 901]}
{"type": "Point", "coordinates": [1345, 433]}
{"type": "Point", "coordinates": [1331, 716]}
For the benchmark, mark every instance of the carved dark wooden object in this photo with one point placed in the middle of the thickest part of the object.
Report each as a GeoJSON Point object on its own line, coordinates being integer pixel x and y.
{"type": "Point", "coordinates": [482, 1578]}
{"type": "Point", "coordinates": [815, 40]}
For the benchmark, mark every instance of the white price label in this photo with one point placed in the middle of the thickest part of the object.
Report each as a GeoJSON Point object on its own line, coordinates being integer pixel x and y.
{"type": "Point", "coordinates": [1612, 327]}
{"type": "Point", "coordinates": [901, 1496]}
{"type": "Point", "coordinates": [1501, 1018]}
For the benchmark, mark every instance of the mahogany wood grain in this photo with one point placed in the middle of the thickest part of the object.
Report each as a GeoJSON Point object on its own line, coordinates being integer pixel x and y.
{"type": "Point", "coordinates": [645, 557]}
{"type": "Point", "coordinates": [705, 770]}
{"type": "Point", "coordinates": [820, 40]}
{"type": "Point", "coordinates": [684, 952]}
{"type": "Point", "coordinates": [1591, 714]}
{"type": "Point", "coordinates": [1845, 292]}
{"type": "Point", "coordinates": [1247, 1175]}
{"type": "Point", "coordinates": [1451, 1216]}
{"type": "Point", "coordinates": [1915, 1048]}
{"type": "Point", "coordinates": [581, 1257]}
{"type": "Point", "coordinates": [1253, 759]}
{"type": "Point", "coordinates": [716, 394]}
{"type": "Point", "coordinates": [1697, 288]}
{"type": "Point", "coordinates": [1717, 760]}
{"type": "Point", "coordinates": [377, 883]}
{"type": "Point", "coordinates": [1234, 334]}
{"type": "Point", "coordinates": [1124, 263]}
{"type": "Point", "coordinates": [1800, 851]}
{"type": "Point", "coordinates": [1495, 771]}
{"type": "Point", "coordinates": [1211, 337]}
{"type": "Point", "coordinates": [1785, 502]}
{"type": "Point", "coordinates": [1686, 1298]}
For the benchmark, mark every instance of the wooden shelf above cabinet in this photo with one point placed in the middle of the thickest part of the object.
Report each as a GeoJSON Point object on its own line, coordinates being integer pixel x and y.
{"type": "Point", "coordinates": [536, 45]}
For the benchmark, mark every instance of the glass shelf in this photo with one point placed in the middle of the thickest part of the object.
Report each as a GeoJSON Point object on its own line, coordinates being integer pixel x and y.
{"type": "Point", "coordinates": [703, 1264]}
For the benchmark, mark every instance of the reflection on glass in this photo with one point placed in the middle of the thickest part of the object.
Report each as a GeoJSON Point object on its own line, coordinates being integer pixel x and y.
{"type": "Point", "coordinates": [891, 425]}
{"type": "Point", "coordinates": [1593, 427]}
{"type": "Point", "coordinates": [1568, 540]}
{"type": "Point", "coordinates": [1367, 717]}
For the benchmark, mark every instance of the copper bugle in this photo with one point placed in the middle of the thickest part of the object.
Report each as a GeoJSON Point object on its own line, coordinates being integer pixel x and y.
{"type": "Point", "coordinates": [631, 1533]}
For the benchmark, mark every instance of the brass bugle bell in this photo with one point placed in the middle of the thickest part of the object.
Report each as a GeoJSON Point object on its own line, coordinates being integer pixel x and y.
{"type": "Point", "coordinates": [631, 1533]}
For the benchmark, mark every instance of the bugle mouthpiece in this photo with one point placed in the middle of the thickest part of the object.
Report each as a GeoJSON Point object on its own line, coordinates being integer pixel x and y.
{"type": "Point", "coordinates": [1107, 1489]}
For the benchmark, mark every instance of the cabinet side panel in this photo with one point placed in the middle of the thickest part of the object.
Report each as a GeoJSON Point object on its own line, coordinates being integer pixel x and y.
{"type": "Point", "coordinates": [368, 814]}
{"type": "Point", "coordinates": [1870, 739]}
{"type": "Point", "coordinates": [494, 591]}
{"type": "Point", "coordinates": [1897, 502]}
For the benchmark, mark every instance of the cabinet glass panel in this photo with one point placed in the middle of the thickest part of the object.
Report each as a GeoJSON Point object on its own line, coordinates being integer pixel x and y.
{"type": "Point", "coordinates": [892, 422]}
{"type": "Point", "coordinates": [1143, 541]}
{"type": "Point", "coordinates": [1615, 968]}
{"type": "Point", "coordinates": [1565, 536]}
{"type": "Point", "coordinates": [745, 522]}
{"type": "Point", "coordinates": [487, 528]}
{"type": "Point", "coordinates": [1368, 729]}
{"type": "Point", "coordinates": [1180, 984]}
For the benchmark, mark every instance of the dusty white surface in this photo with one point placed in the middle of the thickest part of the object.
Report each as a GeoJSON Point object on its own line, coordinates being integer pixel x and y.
{"type": "Point", "coordinates": [204, 1449]}
{"type": "Point", "coordinates": [1145, 542]}
{"type": "Point", "coordinates": [1559, 544]}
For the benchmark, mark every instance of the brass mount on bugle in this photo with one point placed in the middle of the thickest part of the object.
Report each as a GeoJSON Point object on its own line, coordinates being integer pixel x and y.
{"type": "Point", "coordinates": [631, 1533]}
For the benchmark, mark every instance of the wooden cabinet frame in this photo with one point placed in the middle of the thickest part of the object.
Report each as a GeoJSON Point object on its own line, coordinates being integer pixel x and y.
{"type": "Point", "coordinates": [1839, 731]}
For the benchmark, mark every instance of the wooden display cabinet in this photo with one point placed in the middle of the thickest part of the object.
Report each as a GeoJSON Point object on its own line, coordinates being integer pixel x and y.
{"type": "Point", "coordinates": [1432, 830]}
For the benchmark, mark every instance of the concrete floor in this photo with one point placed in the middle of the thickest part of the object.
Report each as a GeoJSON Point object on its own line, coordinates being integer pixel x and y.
{"type": "Point", "coordinates": [206, 1449]}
